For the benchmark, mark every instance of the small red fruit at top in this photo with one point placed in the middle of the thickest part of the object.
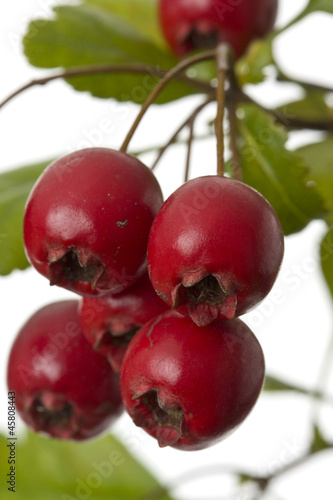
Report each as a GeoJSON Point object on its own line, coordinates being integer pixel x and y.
{"type": "Point", "coordinates": [187, 386]}
{"type": "Point", "coordinates": [62, 387]}
{"type": "Point", "coordinates": [199, 24]}
{"type": "Point", "coordinates": [87, 221]}
{"type": "Point", "coordinates": [215, 249]}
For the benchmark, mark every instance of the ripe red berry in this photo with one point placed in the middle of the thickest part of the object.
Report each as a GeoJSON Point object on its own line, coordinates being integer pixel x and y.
{"type": "Point", "coordinates": [215, 249]}
{"type": "Point", "coordinates": [188, 386]}
{"type": "Point", "coordinates": [62, 387]}
{"type": "Point", "coordinates": [87, 221]}
{"type": "Point", "coordinates": [109, 322]}
{"type": "Point", "coordinates": [198, 24]}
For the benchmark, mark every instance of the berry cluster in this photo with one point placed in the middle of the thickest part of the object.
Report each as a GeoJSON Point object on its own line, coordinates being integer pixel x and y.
{"type": "Point", "coordinates": [190, 372]}
{"type": "Point", "coordinates": [161, 284]}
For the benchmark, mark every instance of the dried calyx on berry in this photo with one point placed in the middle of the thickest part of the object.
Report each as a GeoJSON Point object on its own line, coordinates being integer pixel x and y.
{"type": "Point", "coordinates": [110, 322]}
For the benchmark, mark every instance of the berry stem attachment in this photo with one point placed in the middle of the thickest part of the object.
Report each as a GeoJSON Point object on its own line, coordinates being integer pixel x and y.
{"type": "Point", "coordinates": [222, 68]}
{"type": "Point", "coordinates": [173, 73]}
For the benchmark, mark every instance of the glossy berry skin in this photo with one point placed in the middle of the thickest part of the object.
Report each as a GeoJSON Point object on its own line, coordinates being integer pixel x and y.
{"type": "Point", "coordinates": [215, 249]}
{"type": "Point", "coordinates": [198, 24]}
{"type": "Point", "coordinates": [62, 387]}
{"type": "Point", "coordinates": [87, 221]}
{"type": "Point", "coordinates": [109, 322]}
{"type": "Point", "coordinates": [187, 386]}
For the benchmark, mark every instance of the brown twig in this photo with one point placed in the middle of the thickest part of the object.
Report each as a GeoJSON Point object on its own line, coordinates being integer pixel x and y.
{"type": "Point", "coordinates": [282, 77]}
{"type": "Point", "coordinates": [104, 69]}
{"type": "Point", "coordinates": [290, 122]}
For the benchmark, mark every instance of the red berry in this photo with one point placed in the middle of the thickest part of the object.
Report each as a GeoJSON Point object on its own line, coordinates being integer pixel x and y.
{"type": "Point", "coordinates": [198, 24]}
{"type": "Point", "coordinates": [87, 221]}
{"type": "Point", "coordinates": [109, 322]}
{"type": "Point", "coordinates": [215, 249]}
{"type": "Point", "coordinates": [62, 387]}
{"type": "Point", "coordinates": [189, 386]}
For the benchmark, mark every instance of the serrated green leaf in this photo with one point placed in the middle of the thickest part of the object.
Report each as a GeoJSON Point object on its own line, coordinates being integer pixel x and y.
{"type": "Point", "coordinates": [142, 14]}
{"type": "Point", "coordinates": [15, 186]}
{"type": "Point", "coordinates": [276, 172]}
{"type": "Point", "coordinates": [319, 160]}
{"type": "Point", "coordinates": [57, 470]}
{"type": "Point", "coordinates": [85, 35]}
{"type": "Point", "coordinates": [251, 67]}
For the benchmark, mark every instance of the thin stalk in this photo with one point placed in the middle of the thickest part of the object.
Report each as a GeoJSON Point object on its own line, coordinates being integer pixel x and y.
{"type": "Point", "coordinates": [184, 124]}
{"type": "Point", "coordinates": [173, 73]}
{"type": "Point", "coordinates": [222, 68]}
{"type": "Point", "coordinates": [235, 160]}
{"type": "Point", "coordinates": [189, 149]}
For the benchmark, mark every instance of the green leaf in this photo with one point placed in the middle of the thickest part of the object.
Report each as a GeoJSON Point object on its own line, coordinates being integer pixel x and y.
{"type": "Point", "coordinates": [141, 14]}
{"type": "Point", "coordinates": [15, 186]}
{"type": "Point", "coordinates": [276, 172]}
{"type": "Point", "coordinates": [57, 470]}
{"type": "Point", "coordinates": [321, 5]}
{"type": "Point", "coordinates": [312, 108]}
{"type": "Point", "coordinates": [251, 68]}
{"type": "Point", "coordinates": [319, 160]}
{"type": "Point", "coordinates": [326, 259]}
{"type": "Point", "coordinates": [86, 35]}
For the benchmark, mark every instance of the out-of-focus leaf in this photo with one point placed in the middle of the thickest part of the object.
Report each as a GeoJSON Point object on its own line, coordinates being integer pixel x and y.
{"type": "Point", "coordinates": [142, 14]}
{"type": "Point", "coordinates": [252, 67]}
{"type": "Point", "coordinates": [15, 186]}
{"type": "Point", "coordinates": [312, 108]}
{"type": "Point", "coordinates": [273, 384]}
{"type": "Point", "coordinates": [326, 259]}
{"type": "Point", "coordinates": [319, 160]}
{"type": "Point", "coordinates": [88, 34]}
{"type": "Point", "coordinates": [276, 172]}
{"type": "Point", "coordinates": [321, 5]}
{"type": "Point", "coordinates": [56, 470]}
{"type": "Point", "coordinates": [319, 443]}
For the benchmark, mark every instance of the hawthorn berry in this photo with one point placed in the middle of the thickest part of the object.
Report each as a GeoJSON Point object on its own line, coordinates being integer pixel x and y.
{"type": "Point", "coordinates": [109, 322]}
{"type": "Point", "coordinates": [215, 249]}
{"type": "Point", "coordinates": [62, 387]}
{"type": "Point", "coordinates": [187, 386]}
{"type": "Point", "coordinates": [198, 24]}
{"type": "Point", "coordinates": [87, 221]}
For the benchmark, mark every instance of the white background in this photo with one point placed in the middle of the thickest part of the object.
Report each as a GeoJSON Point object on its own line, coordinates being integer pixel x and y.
{"type": "Point", "coordinates": [293, 325]}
